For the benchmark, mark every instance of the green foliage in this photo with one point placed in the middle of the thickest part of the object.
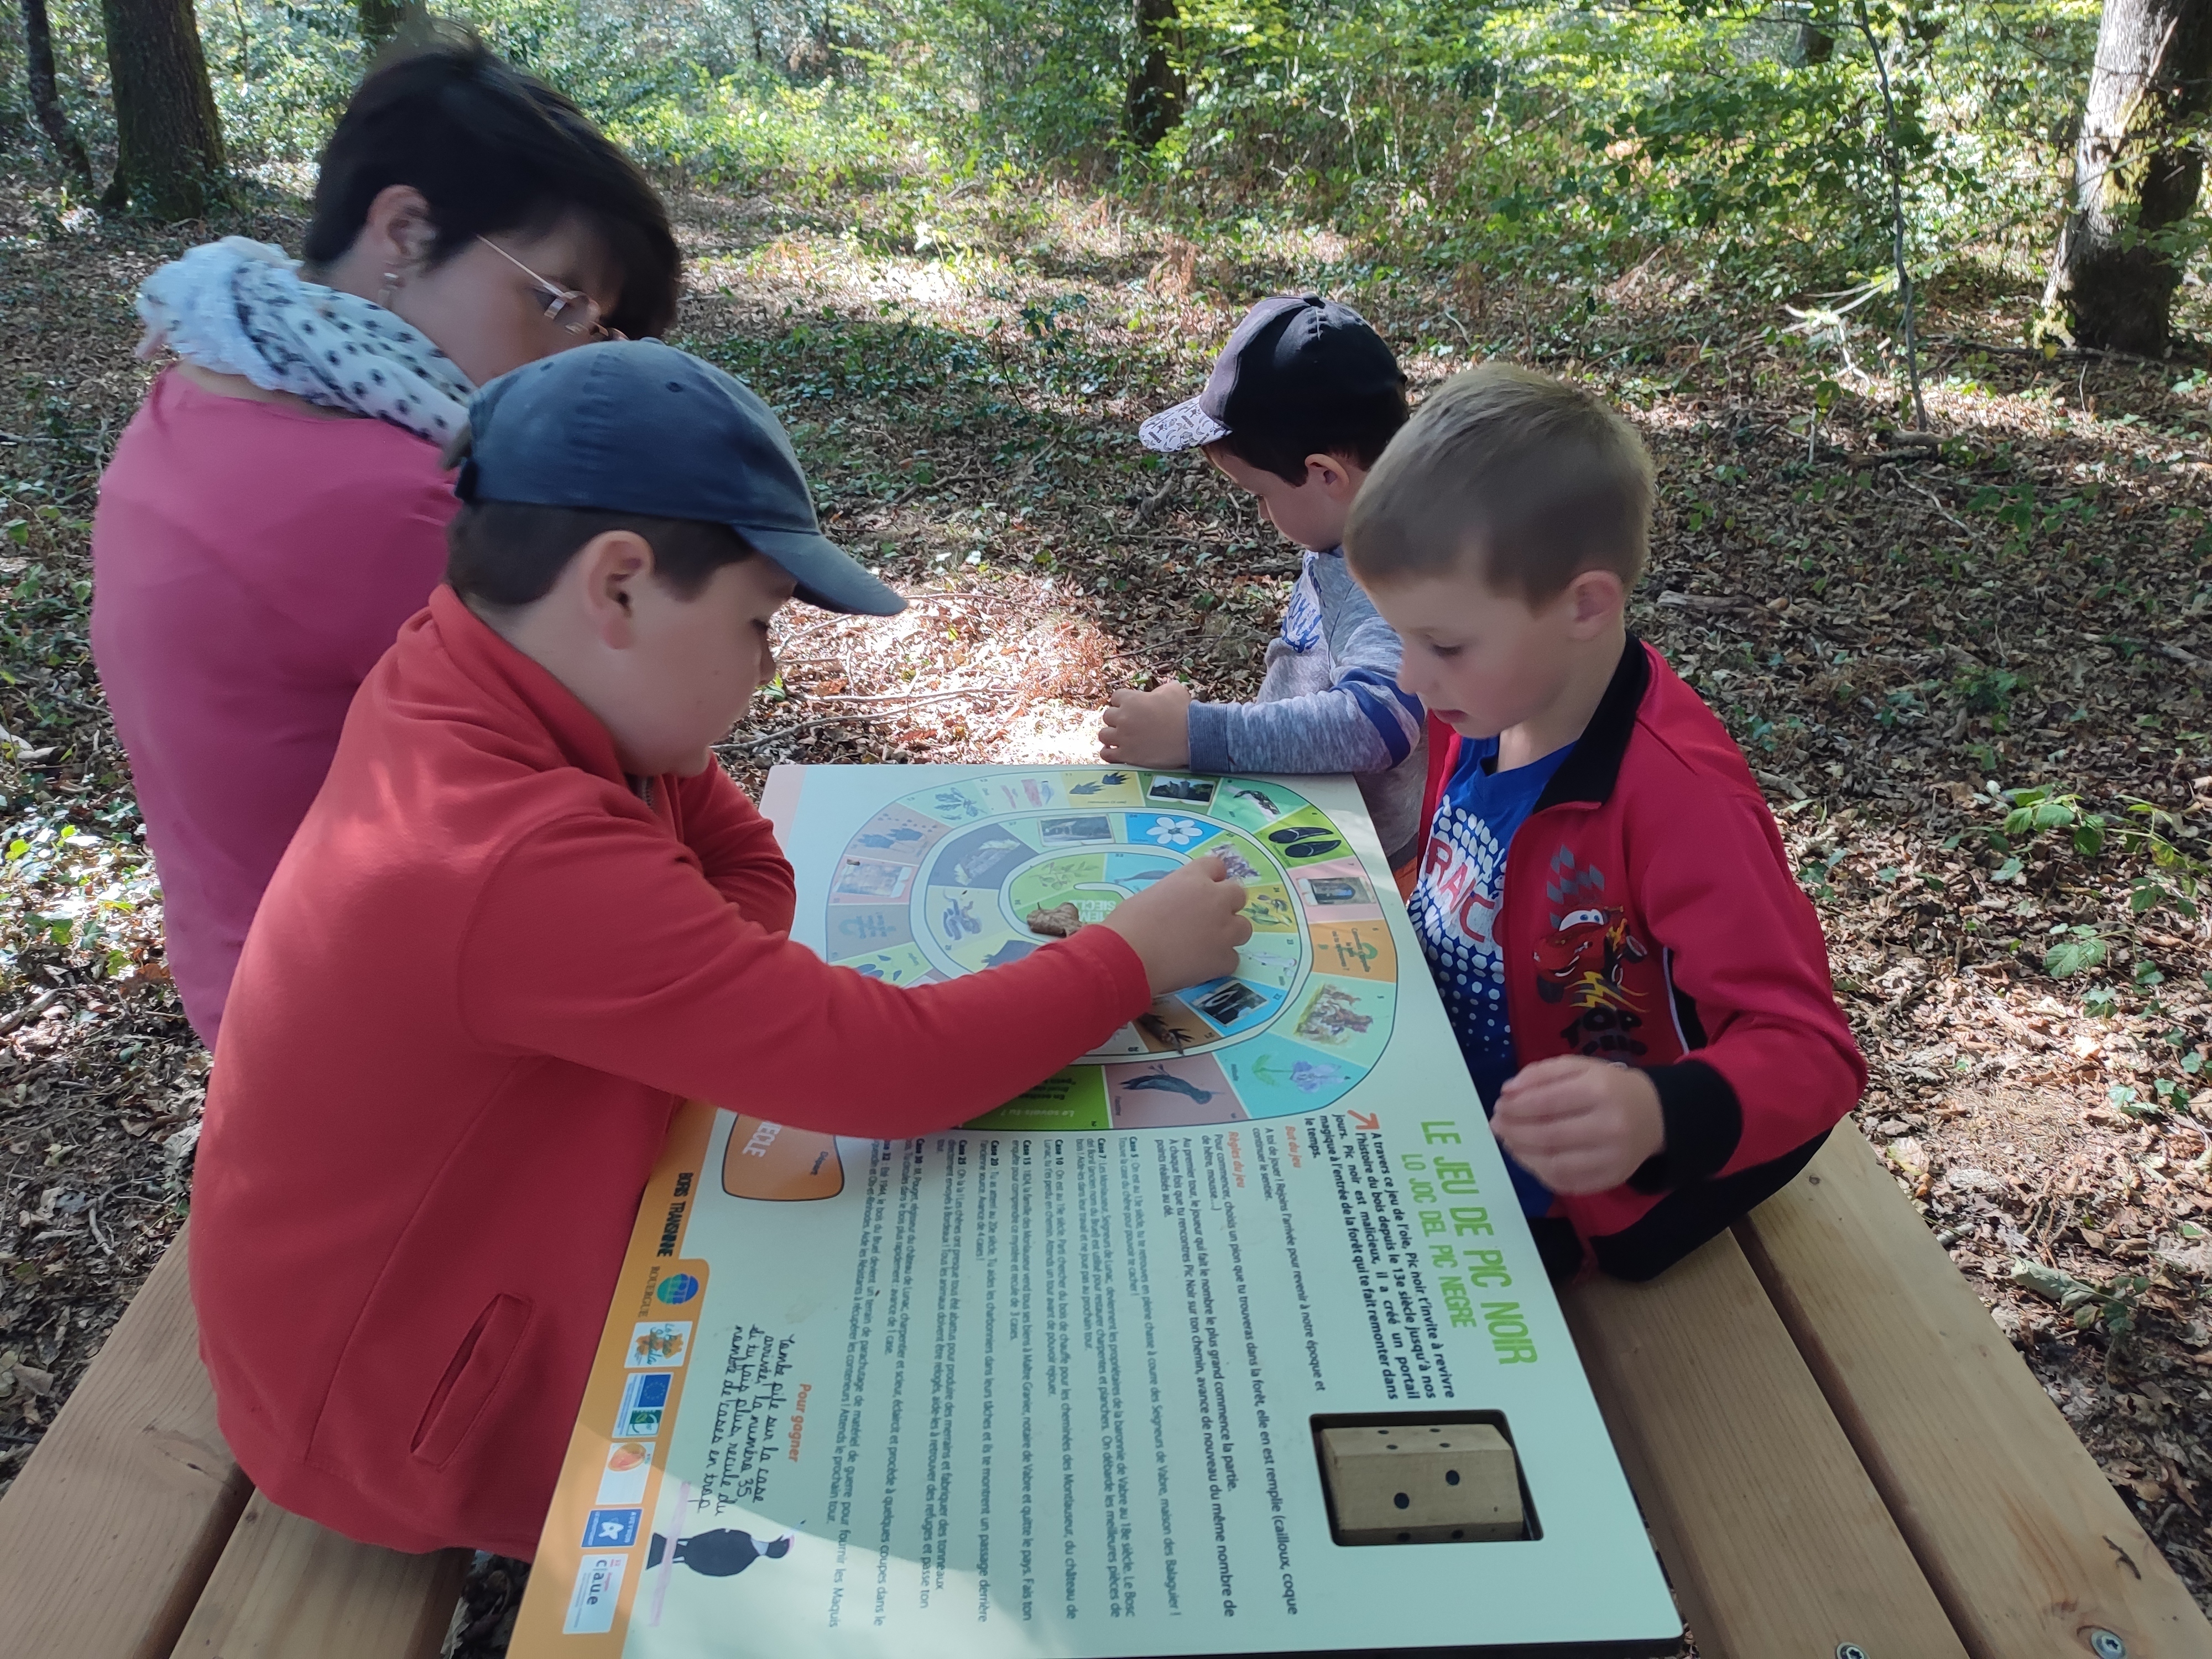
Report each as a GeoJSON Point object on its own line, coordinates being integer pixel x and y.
{"type": "Point", "coordinates": [2035, 810]}
{"type": "Point", "coordinates": [1552, 145]}
{"type": "Point", "coordinates": [2172, 873]}
{"type": "Point", "coordinates": [2111, 1308]}
{"type": "Point", "coordinates": [2078, 947]}
{"type": "Point", "coordinates": [68, 889]}
{"type": "Point", "coordinates": [1568, 143]}
{"type": "Point", "coordinates": [2166, 874]}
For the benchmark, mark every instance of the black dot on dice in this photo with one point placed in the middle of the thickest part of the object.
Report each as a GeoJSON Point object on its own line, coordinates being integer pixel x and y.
{"type": "Point", "coordinates": [1402, 1501]}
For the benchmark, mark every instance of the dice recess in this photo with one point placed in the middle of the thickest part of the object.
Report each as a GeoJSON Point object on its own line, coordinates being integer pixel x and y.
{"type": "Point", "coordinates": [1414, 1483]}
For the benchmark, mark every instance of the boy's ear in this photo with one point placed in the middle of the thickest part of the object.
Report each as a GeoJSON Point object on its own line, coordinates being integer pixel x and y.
{"type": "Point", "coordinates": [1595, 597]}
{"type": "Point", "coordinates": [611, 567]}
{"type": "Point", "coordinates": [1337, 478]}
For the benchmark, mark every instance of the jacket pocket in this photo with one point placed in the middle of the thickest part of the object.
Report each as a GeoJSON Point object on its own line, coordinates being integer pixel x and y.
{"type": "Point", "coordinates": [470, 1380]}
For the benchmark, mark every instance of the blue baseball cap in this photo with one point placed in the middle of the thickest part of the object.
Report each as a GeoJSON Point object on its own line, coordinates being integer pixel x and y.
{"type": "Point", "coordinates": [635, 425]}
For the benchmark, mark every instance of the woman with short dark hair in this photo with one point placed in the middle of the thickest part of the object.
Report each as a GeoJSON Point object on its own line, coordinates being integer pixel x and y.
{"type": "Point", "coordinates": [277, 508]}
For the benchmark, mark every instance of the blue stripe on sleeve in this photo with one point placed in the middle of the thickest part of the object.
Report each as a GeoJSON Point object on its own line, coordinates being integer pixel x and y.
{"type": "Point", "coordinates": [1395, 716]}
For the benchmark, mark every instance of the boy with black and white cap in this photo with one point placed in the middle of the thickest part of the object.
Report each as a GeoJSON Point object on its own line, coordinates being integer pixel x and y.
{"type": "Point", "coordinates": [526, 916]}
{"type": "Point", "coordinates": [1299, 406]}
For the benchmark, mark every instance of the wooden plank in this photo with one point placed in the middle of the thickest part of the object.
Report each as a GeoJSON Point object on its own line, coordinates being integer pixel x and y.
{"type": "Point", "coordinates": [2016, 1526]}
{"type": "Point", "coordinates": [117, 1520]}
{"type": "Point", "coordinates": [286, 1588]}
{"type": "Point", "coordinates": [1776, 1541]}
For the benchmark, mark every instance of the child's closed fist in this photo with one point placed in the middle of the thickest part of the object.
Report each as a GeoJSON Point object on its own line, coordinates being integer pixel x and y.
{"type": "Point", "coordinates": [1579, 1125]}
{"type": "Point", "coordinates": [1147, 729]}
{"type": "Point", "coordinates": [1186, 926]}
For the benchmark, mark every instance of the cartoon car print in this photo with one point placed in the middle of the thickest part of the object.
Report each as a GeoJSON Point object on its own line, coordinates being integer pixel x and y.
{"type": "Point", "coordinates": [1589, 947]}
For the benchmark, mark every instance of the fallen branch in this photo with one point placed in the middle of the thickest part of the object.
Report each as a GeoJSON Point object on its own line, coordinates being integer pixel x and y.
{"type": "Point", "coordinates": [2064, 354]}
{"type": "Point", "coordinates": [981, 693]}
{"type": "Point", "coordinates": [1672, 600]}
{"type": "Point", "coordinates": [23, 1016]}
{"type": "Point", "coordinates": [1883, 457]}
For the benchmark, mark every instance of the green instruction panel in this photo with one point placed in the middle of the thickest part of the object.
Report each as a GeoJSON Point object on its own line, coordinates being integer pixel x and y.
{"type": "Point", "coordinates": [1058, 1383]}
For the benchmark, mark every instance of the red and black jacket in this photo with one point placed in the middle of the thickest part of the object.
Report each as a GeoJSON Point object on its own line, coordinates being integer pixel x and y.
{"type": "Point", "coordinates": [1648, 914]}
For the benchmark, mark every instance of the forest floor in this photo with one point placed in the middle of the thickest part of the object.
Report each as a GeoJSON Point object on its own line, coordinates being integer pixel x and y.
{"type": "Point", "coordinates": [1901, 637]}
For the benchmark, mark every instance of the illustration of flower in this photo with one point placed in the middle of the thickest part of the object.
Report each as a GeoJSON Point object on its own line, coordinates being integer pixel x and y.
{"type": "Point", "coordinates": [1176, 832]}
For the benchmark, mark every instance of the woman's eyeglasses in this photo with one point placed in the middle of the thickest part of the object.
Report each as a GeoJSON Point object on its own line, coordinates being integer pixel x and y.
{"type": "Point", "coordinates": [578, 313]}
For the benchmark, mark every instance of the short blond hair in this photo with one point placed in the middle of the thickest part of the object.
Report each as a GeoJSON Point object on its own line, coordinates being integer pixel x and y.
{"type": "Point", "coordinates": [1535, 480]}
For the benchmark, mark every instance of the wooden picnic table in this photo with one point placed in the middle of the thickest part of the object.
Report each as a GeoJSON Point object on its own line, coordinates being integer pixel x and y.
{"type": "Point", "coordinates": [1836, 1450]}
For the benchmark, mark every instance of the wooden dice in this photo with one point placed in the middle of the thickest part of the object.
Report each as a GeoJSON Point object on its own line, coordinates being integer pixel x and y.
{"type": "Point", "coordinates": [1412, 1483]}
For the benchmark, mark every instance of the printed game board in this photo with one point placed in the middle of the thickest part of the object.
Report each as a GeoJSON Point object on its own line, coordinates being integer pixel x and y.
{"type": "Point", "coordinates": [943, 881]}
{"type": "Point", "coordinates": [1054, 1384]}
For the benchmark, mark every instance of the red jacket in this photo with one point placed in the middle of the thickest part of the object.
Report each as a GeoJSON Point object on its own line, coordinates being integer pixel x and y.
{"type": "Point", "coordinates": [1649, 915]}
{"type": "Point", "coordinates": [483, 976]}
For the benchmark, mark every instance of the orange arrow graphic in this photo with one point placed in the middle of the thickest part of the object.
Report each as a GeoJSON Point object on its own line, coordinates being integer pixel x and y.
{"type": "Point", "coordinates": [1365, 1119]}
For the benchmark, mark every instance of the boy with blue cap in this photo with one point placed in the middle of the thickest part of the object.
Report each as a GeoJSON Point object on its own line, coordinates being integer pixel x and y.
{"type": "Point", "coordinates": [526, 916]}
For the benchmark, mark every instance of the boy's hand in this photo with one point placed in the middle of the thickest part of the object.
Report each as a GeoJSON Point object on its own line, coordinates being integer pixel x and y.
{"type": "Point", "coordinates": [1579, 1125]}
{"type": "Point", "coordinates": [1147, 729]}
{"type": "Point", "coordinates": [1186, 926]}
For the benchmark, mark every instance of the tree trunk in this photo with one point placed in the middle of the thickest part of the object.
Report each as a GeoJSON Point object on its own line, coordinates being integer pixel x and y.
{"type": "Point", "coordinates": [380, 20]}
{"type": "Point", "coordinates": [1156, 90]}
{"type": "Point", "coordinates": [169, 158]}
{"type": "Point", "coordinates": [2135, 174]}
{"type": "Point", "coordinates": [45, 99]}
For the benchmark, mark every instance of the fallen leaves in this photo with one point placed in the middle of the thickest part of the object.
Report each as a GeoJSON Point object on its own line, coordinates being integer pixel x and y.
{"type": "Point", "coordinates": [1896, 637]}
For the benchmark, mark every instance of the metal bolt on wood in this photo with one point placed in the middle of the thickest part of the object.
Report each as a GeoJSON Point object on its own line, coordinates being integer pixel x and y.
{"type": "Point", "coordinates": [2106, 1645]}
{"type": "Point", "coordinates": [1850, 1650]}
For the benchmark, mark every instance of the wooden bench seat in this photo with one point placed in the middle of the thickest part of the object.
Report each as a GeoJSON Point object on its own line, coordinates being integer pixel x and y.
{"type": "Point", "coordinates": [288, 1587]}
{"type": "Point", "coordinates": [1773, 1537]}
{"type": "Point", "coordinates": [131, 1533]}
{"type": "Point", "coordinates": [2020, 1535]}
{"type": "Point", "coordinates": [1834, 1447]}
{"type": "Point", "coordinates": [1830, 1322]}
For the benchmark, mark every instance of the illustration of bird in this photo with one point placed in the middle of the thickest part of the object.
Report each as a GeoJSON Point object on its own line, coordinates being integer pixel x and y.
{"type": "Point", "coordinates": [1168, 1085]}
{"type": "Point", "coordinates": [1265, 802]}
{"type": "Point", "coordinates": [722, 1553]}
{"type": "Point", "coordinates": [1160, 1031]}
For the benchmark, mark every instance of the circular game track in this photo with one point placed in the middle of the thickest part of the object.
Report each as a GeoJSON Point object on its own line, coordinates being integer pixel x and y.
{"type": "Point", "coordinates": [945, 881]}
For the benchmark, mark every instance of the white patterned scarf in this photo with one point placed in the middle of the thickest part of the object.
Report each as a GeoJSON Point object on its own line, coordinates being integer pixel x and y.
{"type": "Point", "coordinates": [238, 307]}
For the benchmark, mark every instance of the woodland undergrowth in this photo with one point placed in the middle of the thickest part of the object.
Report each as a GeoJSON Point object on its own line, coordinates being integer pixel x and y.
{"type": "Point", "coordinates": [1971, 674]}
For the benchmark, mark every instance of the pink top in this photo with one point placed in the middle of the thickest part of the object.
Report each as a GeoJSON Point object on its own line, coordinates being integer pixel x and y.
{"type": "Point", "coordinates": [250, 563]}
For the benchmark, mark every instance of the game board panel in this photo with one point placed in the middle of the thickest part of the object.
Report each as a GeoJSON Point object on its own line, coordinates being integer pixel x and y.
{"type": "Point", "coordinates": [969, 868]}
{"type": "Point", "coordinates": [1050, 1384]}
